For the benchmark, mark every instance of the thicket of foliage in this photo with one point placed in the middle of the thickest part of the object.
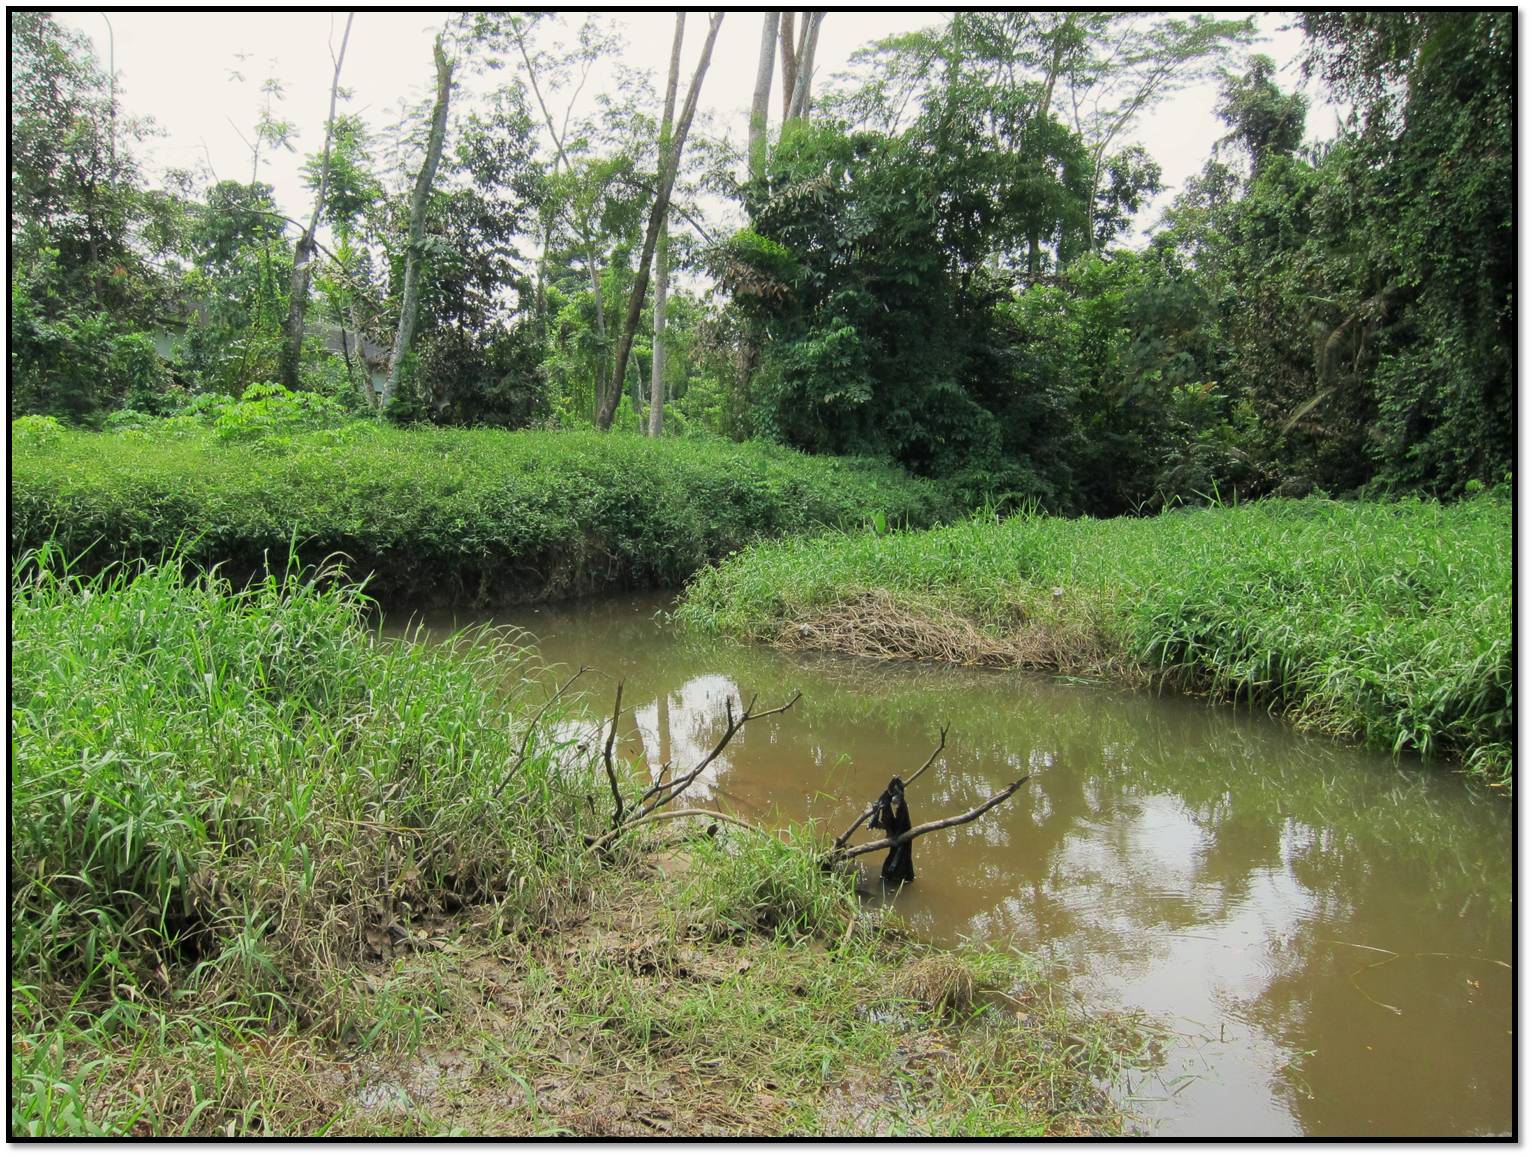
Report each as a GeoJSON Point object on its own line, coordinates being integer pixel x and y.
{"type": "Point", "coordinates": [434, 515]}
{"type": "Point", "coordinates": [933, 269]}
{"type": "Point", "coordinates": [1388, 623]}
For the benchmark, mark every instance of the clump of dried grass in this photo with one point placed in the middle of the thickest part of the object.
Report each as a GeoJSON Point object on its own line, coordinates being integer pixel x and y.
{"type": "Point", "coordinates": [940, 982]}
{"type": "Point", "coordinates": [877, 624]}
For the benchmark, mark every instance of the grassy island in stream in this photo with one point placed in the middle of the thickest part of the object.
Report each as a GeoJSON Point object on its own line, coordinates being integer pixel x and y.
{"type": "Point", "coordinates": [271, 874]}
{"type": "Point", "coordinates": [1386, 623]}
{"type": "Point", "coordinates": [440, 515]}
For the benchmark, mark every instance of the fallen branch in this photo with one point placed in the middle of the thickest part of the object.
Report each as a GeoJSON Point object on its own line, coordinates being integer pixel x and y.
{"type": "Point", "coordinates": [838, 855]}
{"type": "Point", "coordinates": [611, 774]}
{"type": "Point", "coordinates": [663, 793]}
{"type": "Point", "coordinates": [655, 817]}
{"type": "Point", "coordinates": [840, 841]}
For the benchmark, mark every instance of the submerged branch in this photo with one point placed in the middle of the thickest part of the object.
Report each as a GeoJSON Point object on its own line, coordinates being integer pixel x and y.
{"type": "Point", "coordinates": [840, 854]}
{"type": "Point", "coordinates": [840, 841]}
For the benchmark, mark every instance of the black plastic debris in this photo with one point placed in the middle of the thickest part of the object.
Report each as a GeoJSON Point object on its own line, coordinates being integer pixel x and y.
{"type": "Point", "coordinates": [892, 815]}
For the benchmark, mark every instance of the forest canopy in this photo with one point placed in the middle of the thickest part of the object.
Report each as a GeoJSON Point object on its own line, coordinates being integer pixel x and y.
{"type": "Point", "coordinates": [927, 259]}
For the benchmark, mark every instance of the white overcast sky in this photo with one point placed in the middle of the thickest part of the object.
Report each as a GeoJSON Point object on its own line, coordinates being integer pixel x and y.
{"type": "Point", "coordinates": [174, 67]}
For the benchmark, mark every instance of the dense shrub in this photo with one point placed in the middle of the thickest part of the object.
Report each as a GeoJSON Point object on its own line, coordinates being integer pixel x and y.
{"type": "Point", "coordinates": [213, 784]}
{"type": "Point", "coordinates": [438, 514]}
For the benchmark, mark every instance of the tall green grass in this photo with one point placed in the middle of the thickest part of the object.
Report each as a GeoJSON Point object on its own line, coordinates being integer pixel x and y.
{"type": "Point", "coordinates": [223, 792]}
{"type": "Point", "coordinates": [1385, 623]}
{"type": "Point", "coordinates": [442, 515]}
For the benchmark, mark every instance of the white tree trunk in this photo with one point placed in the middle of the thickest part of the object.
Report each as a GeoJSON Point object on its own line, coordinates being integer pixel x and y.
{"type": "Point", "coordinates": [298, 288]}
{"type": "Point", "coordinates": [410, 299]}
{"type": "Point", "coordinates": [761, 101]}
{"type": "Point", "coordinates": [662, 246]}
{"type": "Point", "coordinates": [808, 40]}
{"type": "Point", "coordinates": [657, 212]}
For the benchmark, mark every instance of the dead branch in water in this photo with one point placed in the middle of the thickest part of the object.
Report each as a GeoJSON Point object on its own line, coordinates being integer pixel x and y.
{"type": "Point", "coordinates": [839, 855]}
{"type": "Point", "coordinates": [840, 841]}
{"type": "Point", "coordinates": [649, 807]}
{"type": "Point", "coordinates": [663, 793]}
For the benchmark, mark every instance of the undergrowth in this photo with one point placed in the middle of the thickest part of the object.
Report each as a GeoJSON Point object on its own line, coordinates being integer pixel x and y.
{"type": "Point", "coordinates": [440, 515]}
{"type": "Point", "coordinates": [1384, 623]}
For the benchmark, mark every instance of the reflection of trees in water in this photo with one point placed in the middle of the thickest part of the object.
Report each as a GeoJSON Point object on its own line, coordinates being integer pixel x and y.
{"type": "Point", "coordinates": [1150, 823]}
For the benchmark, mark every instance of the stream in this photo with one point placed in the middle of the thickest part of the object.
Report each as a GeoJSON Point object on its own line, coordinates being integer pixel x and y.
{"type": "Point", "coordinates": [1327, 936]}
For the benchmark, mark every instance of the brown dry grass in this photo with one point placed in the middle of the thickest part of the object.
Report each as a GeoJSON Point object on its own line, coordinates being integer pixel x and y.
{"type": "Point", "coordinates": [878, 624]}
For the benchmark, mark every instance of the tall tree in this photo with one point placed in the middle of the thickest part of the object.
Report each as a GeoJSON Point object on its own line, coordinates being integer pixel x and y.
{"type": "Point", "coordinates": [789, 61]}
{"type": "Point", "coordinates": [1134, 66]}
{"type": "Point", "coordinates": [662, 248]}
{"type": "Point", "coordinates": [590, 49]}
{"type": "Point", "coordinates": [762, 97]}
{"type": "Point", "coordinates": [410, 297]}
{"type": "Point", "coordinates": [303, 254]}
{"type": "Point", "coordinates": [608, 407]}
{"type": "Point", "coordinates": [808, 42]}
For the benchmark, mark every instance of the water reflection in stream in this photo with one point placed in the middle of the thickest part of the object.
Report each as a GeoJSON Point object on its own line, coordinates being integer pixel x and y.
{"type": "Point", "coordinates": [1326, 934]}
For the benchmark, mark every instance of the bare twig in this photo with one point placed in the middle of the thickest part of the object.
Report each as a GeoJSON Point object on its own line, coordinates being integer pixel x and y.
{"type": "Point", "coordinates": [670, 791]}
{"type": "Point", "coordinates": [731, 729]}
{"type": "Point", "coordinates": [611, 774]}
{"type": "Point", "coordinates": [873, 806]}
{"type": "Point", "coordinates": [659, 785]}
{"type": "Point", "coordinates": [839, 854]}
{"type": "Point", "coordinates": [526, 740]}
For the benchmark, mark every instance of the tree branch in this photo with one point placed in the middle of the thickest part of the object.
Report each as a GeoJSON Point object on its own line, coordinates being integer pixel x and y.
{"type": "Point", "coordinates": [873, 806]}
{"type": "Point", "coordinates": [672, 790]}
{"type": "Point", "coordinates": [611, 774]}
{"type": "Point", "coordinates": [839, 855]}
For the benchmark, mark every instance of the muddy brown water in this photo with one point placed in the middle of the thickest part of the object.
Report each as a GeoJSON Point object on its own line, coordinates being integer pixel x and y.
{"type": "Point", "coordinates": [1327, 936]}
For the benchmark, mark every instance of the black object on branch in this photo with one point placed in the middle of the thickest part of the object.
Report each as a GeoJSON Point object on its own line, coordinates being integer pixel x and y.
{"type": "Point", "coordinates": [892, 815]}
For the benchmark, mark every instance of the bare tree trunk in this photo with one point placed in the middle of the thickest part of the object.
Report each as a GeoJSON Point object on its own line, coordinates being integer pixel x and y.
{"type": "Point", "coordinates": [662, 246]}
{"type": "Point", "coordinates": [789, 63]}
{"type": "Point", "coordinates": [808, 41]}
{"type": "Point", "coordinates": [298, 290]}
{"type": "Point", "coordinates": [651, 235]}
{"type": "Point", "coordinates": [762, 98]}
{"type": "Point", "coordinates": [410, 301]}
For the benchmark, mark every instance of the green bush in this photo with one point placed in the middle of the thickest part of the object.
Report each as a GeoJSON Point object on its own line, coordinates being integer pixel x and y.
{"type": "Point", "coordinates": [270, 413]}
{"type": "Point", "coordinates": [36, 432]}
{"type": "Point", "coordinates": [442, 514]}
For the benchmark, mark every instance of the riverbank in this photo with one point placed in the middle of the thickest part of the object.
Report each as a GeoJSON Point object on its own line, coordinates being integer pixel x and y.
{"type": "Point", "coordinates": [441, 516]}
{"type": "Point", "coordinates": [271, 874]}
{"type": "Point", "coordinates": [1382, 623]}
